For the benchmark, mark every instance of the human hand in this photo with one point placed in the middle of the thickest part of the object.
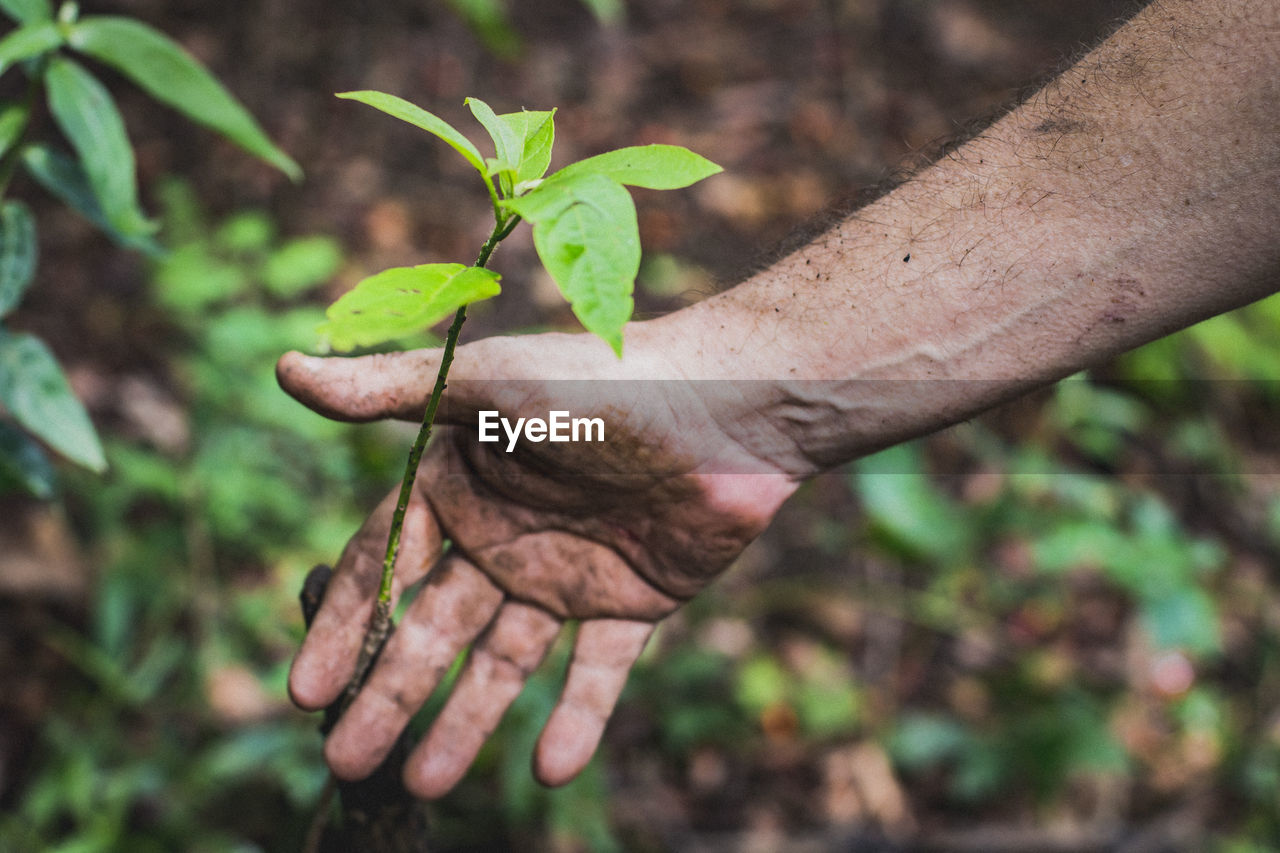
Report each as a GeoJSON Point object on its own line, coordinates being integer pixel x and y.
{"type": "Point", "coordinates": [615, 535]}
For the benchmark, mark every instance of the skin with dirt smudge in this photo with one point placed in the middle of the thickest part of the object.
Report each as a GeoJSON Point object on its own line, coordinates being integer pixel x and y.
{"type": "Point", "coordinates": [1133, 196]}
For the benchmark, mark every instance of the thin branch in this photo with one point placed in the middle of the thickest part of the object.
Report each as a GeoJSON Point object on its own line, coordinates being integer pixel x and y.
{"type": "Point", "coordinates": [381, 622]}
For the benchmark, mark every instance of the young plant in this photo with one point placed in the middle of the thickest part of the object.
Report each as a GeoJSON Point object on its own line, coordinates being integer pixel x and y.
{"type": "Point", "coordinates": [584, 230]}
{"type": "Point", "coordinates": [97, 179]}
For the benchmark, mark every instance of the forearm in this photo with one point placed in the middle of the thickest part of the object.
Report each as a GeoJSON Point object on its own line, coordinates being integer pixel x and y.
{"type": "Point", "coordinates": [1136, 194]}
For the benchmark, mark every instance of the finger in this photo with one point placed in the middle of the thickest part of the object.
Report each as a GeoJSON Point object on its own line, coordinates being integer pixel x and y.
{"type": "Point", "coordinates": [391, 385]}
{"type": "Point", "coordinates": [500, 663]}
{"type": "Point", "coordinates": [328, 655]}
{"type": "Point", "coordinates": [603, 654]}
{"type": "Point", "coordinates": [454, 606]}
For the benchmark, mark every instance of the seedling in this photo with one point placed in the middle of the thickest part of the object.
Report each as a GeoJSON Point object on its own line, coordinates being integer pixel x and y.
{"type": "Point", "coordinates": [584, 230]}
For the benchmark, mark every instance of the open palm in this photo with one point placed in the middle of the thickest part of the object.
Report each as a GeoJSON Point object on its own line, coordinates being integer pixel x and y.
{"type": "Point", "coordinates": [615, 535]}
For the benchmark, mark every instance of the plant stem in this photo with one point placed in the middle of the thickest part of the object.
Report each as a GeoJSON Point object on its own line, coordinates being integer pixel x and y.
{"type": "Point", "coordinates": [380, 625]}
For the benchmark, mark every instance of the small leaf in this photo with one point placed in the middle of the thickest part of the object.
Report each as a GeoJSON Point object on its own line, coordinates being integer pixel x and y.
{"type": "Point", "coordinates": [27, 42]}
{"type": "Point", "coordinates": [248, 233]}
{"type": "Point", "coordinates": [417, 116]}
{"type": "Point", "coordinates": [88, 116]}
{"type": "Point", "coordinates": [905, 507]}
{"type": "Point", "coordinates": [28, 11]}
{"type": "Point", "coordinates": [403, 300]}
{"type": "Point", "coordinates": [655, 167]}
{"type": "Point", "coordinates": [922, 740]}
{"type": "Point", "coordinates": [1184, 618]}
{"type": "Point", "coordinates": [24, 462]}
{"type": "Point", "coordinates": [536, 130]}
{"type": "Point", "coordinates": [489, 20]}
{"type": "Point", "coordinates": [522, 142]}
{"type": "Point", "coordinates": [162, 68]}
{"type": "Point", "coordinates": [35, 391]}
{"type": "Point", "coordinates": [607, 12]}
{"type": "Point", "coordinates": [17, 253]}
{"type": "Point", "coordinates": [585, 231]}
{"type": "Point", "coordinates": [192, 278]}
{"type": "Point", "coordinates": [300, 265]}
{"type": "Point", "coordinates": [13, 121]}
{"type": "Point", "coordinates": [506, 144]}
{"type": "Point", "coordinates": [64, 178]}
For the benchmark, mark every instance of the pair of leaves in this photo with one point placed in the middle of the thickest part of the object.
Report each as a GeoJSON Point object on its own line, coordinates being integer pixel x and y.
{"type": "Point", "coordinates": [522, 145]}
{"type": "Point", "coordinates": [584, 221]}
{"type": "Point", "coordinates": [87, 115]}
{"type": "Point", "coordinates": [522, 141]}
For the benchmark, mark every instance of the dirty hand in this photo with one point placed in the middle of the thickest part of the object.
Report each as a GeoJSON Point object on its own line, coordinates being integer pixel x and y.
{"type": "Point", "coordinates": [614, 534]}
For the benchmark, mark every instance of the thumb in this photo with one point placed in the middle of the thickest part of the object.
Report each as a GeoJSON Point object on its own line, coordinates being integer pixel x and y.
{"type": "Point", "coordinates": [371, 387]}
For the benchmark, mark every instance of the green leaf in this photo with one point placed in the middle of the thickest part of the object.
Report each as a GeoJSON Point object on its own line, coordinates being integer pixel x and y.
{"type": "Point", "coordinates": [522, 142]}
{"type": "Point", "coordinates": [300, 265]}
{"type": "Point", "coordinates": [172, 76]}
{"type": "Point", "coordinates": [506, 144]}
{"type": "Point", "coordinates": [248, 233]}
{"type": "Point", "coordinates": [403, 300]}
{"type": "Point", "coordinates": [28, 11]}
{"type": "Point", "coordinates": [13, 122]}
{"type": "Point", "coordinates": [192, 278]}
{"type": "Point", "coordinates": [607, 12]}
{"type": "Point", "coordinates": [536, 130]}
{"type": "Point", "coordinates": [28, 41]}
{"type": "Point", "coordinates": [417, 116]}
{"type": "Point", "coordinates": [88, 116]}
{"type": "Point", "coordinates": [66, 179]}
{"type": "Point", "coordinates": [489, 20]}
{"type": "Point", "coordinates": [762, 681]}
{"type": "Point", "coordinates": [17, 253]}
{"type": "Point", "coordinates": [585, 231]}
{"type": "Point", "coordinates": [24, 462]}
{"type": "Point", "coordinates": [921, 740]}
{"type": "Point", "coordinates": [35, 391]}
{"type": "Point", "coordinates": [908, 509]}
{"type": "Point", "coordinates": [1185, 618]}
{"type": "Point", "coordinates": [655, 167]}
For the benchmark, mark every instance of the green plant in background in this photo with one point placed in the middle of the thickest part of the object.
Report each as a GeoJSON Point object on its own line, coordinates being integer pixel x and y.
{"type": "Point", "coordinates": [1048, 721]}
{"type": "Point", "coordinates": [238, 292]}
{"type": "Point", "coordinates": [585, 233]}
{"type": "Point", "coordinates": [201, 543]}
{"type": "Point", "coordinates": [97, 178]}
{"type": "Point", "coordinates": [490, 21]}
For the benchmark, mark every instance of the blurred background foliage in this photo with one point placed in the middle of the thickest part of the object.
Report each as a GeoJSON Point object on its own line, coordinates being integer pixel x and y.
{"type": "Point", "coordinates": [1051, 628]}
